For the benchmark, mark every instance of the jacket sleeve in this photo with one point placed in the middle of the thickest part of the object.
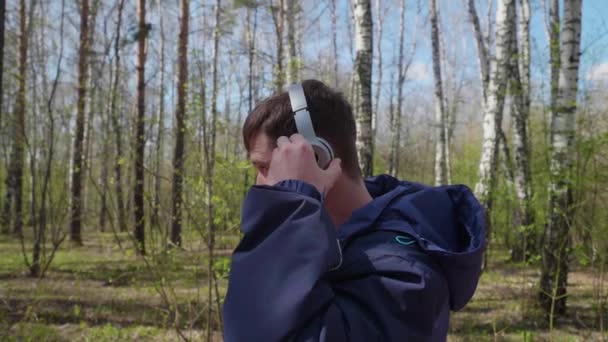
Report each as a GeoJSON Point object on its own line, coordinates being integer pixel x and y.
{"type": "Point", "coordinates": [278, 290]}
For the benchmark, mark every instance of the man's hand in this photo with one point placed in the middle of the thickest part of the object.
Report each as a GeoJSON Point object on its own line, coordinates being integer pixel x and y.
{"type": "Point", "coordinates": [294, 158]}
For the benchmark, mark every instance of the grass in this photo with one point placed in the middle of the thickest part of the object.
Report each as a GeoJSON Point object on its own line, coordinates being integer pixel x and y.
{"type": "Point", "coordinates": [101, 293]}
{"type": "Point", "coordinates": [504, 309]}
{"type": "Point", "coordinates": [98, 292]}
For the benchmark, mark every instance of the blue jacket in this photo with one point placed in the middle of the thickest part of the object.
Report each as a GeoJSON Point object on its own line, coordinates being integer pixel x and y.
{"type": "Point", "coordinates": [392, 272]}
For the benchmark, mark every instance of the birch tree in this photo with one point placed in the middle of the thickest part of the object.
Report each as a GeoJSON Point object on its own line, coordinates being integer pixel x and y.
{"type": "Point", "coordinates": [554, 49]}
{"type": "Point", "coordinates": [2, 19]}
{"type": "Point", "coordinates": [554, 269]}
{"type": "Point", "coordinates": [403, 64]}
{"type": "Point", "coordinates": [380, 13]}
{"type": "Point", "coordinates": [252, 25]}
{"type": "Point", "coordinates": [14, 189]}
{"type": "Point", "coordinates": [138, 192]}
{"type": "Point", "coordinates": [441, 148]}
{"type": "Point", "coordinates": [482, 49]}
{"type": "Point", "coordinates": [41, 258]}
{"type": "Point", "coordinates": [161, 125]}
{"type": "Point", "coordinates": [95, 69]}
{"type": "Point", "coordinates": [362, 84]}
{"type": "Point", "coordinates": [277, 11]}
{"type": "Point", "coordinates": [77, 167]}
{"type": "Point", "coordinates": [520, 92]}
{"type": "Point", "coordinates": [493, 109]}
{"type": "Point", "coordinates": [209, 148]}
{"type": "Point", "coordinates": [115, 118]}
{"type": "Point", "coordinates": [291, 8]}
{"type": "Point", "coordinates": [180, 125]}
{"type": "Point", "coordinates": [334, 37]}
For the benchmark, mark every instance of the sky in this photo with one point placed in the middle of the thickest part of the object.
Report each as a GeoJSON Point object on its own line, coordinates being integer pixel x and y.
{"type": "Point", "coordinates": [594, 34]}
{"type": "Point", "coordinates": [459, 40]}
{"type": "Point", "coordinates": [460, 48]}
{"type": "Point", "coordinates": [316, 42]}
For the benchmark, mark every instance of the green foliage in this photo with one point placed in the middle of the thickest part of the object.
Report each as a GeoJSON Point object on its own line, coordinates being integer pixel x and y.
{"type": "Point", "coordinates": [221, 267]}
{"type": "Point", "coordinates": [245, 3]}
{"type": "Point", "coordinates": [33, 332]}
{"type": "Point", "coordinates": [527, 336]}
{"type": "Point", "coordinates": [107, 332]}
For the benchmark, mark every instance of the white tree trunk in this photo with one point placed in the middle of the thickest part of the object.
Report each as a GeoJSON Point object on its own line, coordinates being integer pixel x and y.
{"type": "Point", "coordinates": [449, 114]}
{"type": "Point", "coordinates": [492, 118]}
{"type": "Point", "coordinates": [379, 27]}
{"type": "Point", "coordinates": [441, 169]}
{"type": "Point", "coordinates": [277, 12]}
{"type": "Point", "coordinates": [554, 272]}
{"type": "Point", "coordinates": [482, 51]}
{"type": "Point", "coordinates": [395, 125]}
{"type": "Point", "coordinates": [554, 49]}
{"type": "Point", "coordinates": [291, 6]}
{"type": "Point", "coordinates": [520, 91]}
{"type": "Point", "coordinates": [334, 35]}
{"type": "Point", "coordinates": [180, 124]}
{"type": "Point", "coordinates": [161, 129]}
{"type": "Point", "coordinates": [362, 77]}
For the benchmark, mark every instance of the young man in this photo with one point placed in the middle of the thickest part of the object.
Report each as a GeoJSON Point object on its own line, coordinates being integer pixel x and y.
{"type": "Point", "coordinates": [327, 256]}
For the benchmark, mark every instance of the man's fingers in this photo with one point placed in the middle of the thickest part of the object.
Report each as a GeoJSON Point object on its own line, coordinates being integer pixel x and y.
{"type": "Point", "coordinates": [282, 141]}
{"type": "Point", "coordinates": [297, 137]}
{"type": "Point", "coordinates": [333, 171]}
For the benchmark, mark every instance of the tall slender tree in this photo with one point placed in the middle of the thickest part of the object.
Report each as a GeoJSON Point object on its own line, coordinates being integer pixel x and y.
{"type": "Point", "coordinates": [451, 94]}
{"type": "Point", "coordinates": [293, 63]}
{"type": "Point", "coordinates": [403, 65]}
{"type": "Point", "coordinates": [554, 269]}
{"type": "Point", "coordinates": [75, 225]}
{"type": "Point", "coordinates": [441, 148]}
{"type": "Point", "coordinates": [104, 176]}
{"type": "Point", "coordinates": [554, 49]}
{"type": "Point", "coordinates": [2, 18]}
{"type": "Point", "coordinates": [492, 118]}
{"type": "Point", "coordinates": [520, 92]}
{"type": "Point", "coordinates": [362, 84]}
{"type": "Point", "coordinates": [250, 34]}
{"type": "Point", "coordinates": [180, 124]}
{"type": "Point", "coordinates": [252, 24]}
{"type": "Point", "coordinates": [482, 49]}
{"type": "Point", "coordinates": [140, 139]}
{"type": "Point", "coordinates": [40, 259]}
{"type": "Point", "coordinates": [277, 11]}
{"type": "Point", "coordinates": [14, 190]}
{"type": "Point", "coordinates": [380, 14]}
{"type": "Point", "coordinates": [161, 123]}
{"type": "Point", "coordinates": [116, 124]}
{"type": "Point", "coordinates": [334, 37]}
{"type": "Point", "coordinates": [395, 109]}
{"type": "Point", "coordinates": [210, 138]}
{"type": "Point", "coordinates": [95, 66]}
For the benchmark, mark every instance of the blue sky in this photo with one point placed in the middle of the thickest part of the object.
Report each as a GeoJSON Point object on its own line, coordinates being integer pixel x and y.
{"type": "Point", "coordinates": [458, 38]}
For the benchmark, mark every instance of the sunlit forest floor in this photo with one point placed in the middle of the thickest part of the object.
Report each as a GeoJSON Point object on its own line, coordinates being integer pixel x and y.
{"type": "Point", "coordinates": [102, 293]}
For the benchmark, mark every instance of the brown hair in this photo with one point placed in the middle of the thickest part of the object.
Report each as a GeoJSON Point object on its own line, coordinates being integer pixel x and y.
{"type": "Point", "coordinates": [331, 115]}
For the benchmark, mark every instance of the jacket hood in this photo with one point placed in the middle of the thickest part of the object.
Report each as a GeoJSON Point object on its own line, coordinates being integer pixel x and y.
{"type": "Point", "coordinates": [446, 221]}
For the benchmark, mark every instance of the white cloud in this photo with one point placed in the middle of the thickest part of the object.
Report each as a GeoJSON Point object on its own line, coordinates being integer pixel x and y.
{"type": "Point", "coordinates": [598, 73]}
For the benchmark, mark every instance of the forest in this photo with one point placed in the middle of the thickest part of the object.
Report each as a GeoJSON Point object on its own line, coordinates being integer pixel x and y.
{"type": "Point", "coordinates": [123, 168]}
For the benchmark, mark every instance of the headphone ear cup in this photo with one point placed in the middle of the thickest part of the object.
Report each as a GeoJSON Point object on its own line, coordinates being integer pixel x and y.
{"type": "Point", "coordinates": [323, 152]}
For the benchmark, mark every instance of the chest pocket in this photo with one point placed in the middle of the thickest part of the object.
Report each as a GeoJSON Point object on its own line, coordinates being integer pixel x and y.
{"type": "Point", "coordinates": [361, 252]}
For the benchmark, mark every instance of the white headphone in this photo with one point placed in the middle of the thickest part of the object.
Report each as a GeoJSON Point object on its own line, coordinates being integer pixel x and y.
{"type": "Point", "coordinates": [323, 151]}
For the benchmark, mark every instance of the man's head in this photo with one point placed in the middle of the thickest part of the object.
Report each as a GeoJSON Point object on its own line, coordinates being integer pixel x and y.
{"type": "Point", "coordinates": [330, 114]}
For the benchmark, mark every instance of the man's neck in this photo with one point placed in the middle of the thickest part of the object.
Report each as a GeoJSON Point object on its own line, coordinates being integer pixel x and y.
{"type": "Point", "coordinates": [345, 197]}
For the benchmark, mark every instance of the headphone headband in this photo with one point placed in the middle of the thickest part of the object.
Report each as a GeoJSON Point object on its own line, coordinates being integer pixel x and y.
{"type": "Point", "coordinates": [300, 109]}
{"type": "Point", "coordinates": [323, 150]}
